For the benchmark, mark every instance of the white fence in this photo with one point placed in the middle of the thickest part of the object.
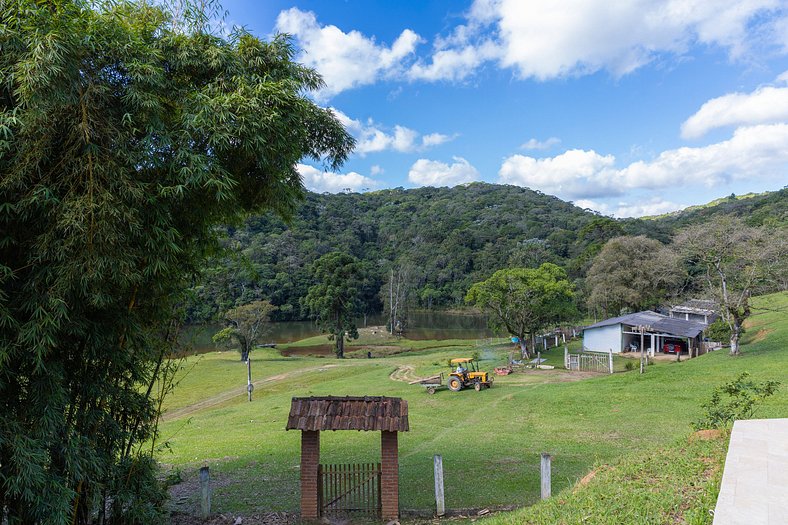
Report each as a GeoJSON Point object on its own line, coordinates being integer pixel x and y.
{"type": "Point", "coordinates": [589, 362]}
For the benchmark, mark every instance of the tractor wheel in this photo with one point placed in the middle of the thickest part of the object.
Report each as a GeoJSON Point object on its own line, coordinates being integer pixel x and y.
{"type": "Point", "coordinates": [455, 385]}
{"type": "Point", "coordinates": [431, 390]}
{"type": "Point", "coordinates": [477, 387]}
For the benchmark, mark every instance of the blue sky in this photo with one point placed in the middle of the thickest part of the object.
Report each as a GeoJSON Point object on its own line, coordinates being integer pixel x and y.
{"type": "Point", "coordinates": [629, 108]}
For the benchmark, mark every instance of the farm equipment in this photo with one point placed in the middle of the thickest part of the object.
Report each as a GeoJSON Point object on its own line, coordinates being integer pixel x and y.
{"type": "Point", "coordinates": [465, 373]}
{"type": "Point", "coordinates": [431, 383]}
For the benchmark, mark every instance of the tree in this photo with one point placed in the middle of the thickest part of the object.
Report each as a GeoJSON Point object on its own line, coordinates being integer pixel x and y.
{"type": "Point", "coordinates": [126, 137]}
{"type": "Point", "coordinates": [734, 262]}
{"type": "Point", "coordinates": [525, 301]}
{"type": "Point", "coordinates": [398, 295]}
{"type": "Point", "coordinates": [632, 272]}
{"type": "Point", "coordinates": [247, 325]}
{"type": "Point", "coordinates": [334, 300]}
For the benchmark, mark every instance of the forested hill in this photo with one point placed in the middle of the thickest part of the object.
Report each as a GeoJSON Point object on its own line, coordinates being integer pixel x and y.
{"type": "Point", "coordinates": [440, 239]}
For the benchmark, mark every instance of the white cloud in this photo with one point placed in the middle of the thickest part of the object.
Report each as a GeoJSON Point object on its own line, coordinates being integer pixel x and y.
{"type": "Point", "coordinates": [651, 206]}
{"type": "Point", "coordinates": [325, 181]}
{"type": "Point", "coordinates": [454, 63]}
{"type": "Point", "coordinates": [345, 60]}
{"type": "Point", "coordinates": [574, 173]}
{"type": "Point", "coordinates": [765, 105]}
{"type": "Point", "coordinates": [752, 153]}
{"type": "Point", "coordinates": [541, 144]}
{"type": "Point", "coordinates": [376, 170]}
{"type": "Point", "coordinates": [426, 172]}
{"type": "Point", "coordinates": [558, 38]}
{"type": "Point", "coordinates": [434, 139]}
{"type": "Point", "coordinates": [371, 138]}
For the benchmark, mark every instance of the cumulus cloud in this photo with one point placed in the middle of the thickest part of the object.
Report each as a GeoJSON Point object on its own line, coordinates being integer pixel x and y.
{"type": "Point", "coordinates": [574, 173]}
{"type": "Point", "coordinates": [345, 60]}
{"type": "Point", "coordinates": [647, 207]}
{"type": "Point", "coordinates": [372, 137]}
{"type": "Point", "coordinates": [765, 105]}
{"type": "Point", "coordinates": [541, 144]}
{"type": "Point", "coordinates": [753, 153]}
{"type": "Point", "coordinates": [546, 40]}
{"type": "Point", "coordinates": [324, 181]}
{"type": "Point", "coordinates": [426, 172]}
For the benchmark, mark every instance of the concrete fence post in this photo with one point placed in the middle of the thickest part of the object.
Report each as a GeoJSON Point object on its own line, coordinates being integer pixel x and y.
{"type": "Point", "coordinates": [566, 358]}
{"type": "Point", "coordinates": [546, 475]}
{"type": "Point", "coordinates": [440, 507]}
{"type": "Point", "coordinates": [205, 492]}
{"type": "Point", "coordinates": [610, 359]}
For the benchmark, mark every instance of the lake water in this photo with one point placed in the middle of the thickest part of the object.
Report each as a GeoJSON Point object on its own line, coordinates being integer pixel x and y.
{"type": "Point", "coordinates": [422, 325]}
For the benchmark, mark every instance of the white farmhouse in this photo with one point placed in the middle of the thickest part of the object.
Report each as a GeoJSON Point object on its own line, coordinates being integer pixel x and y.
{"type": "Point", "coordinates": [661, 333]}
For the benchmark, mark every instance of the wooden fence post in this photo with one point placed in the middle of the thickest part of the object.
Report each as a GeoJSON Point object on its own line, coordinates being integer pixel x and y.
{"type": "Point", "coordinates": [439, 503]}
{"type": "Point", "coordinates": [546, 482]}
{"type": "Point", "coordinates": [249, 385]}
{"type": "Point", "coordinates": [566, 358]}
{"type": "Point", "coordinates": [205, 492]}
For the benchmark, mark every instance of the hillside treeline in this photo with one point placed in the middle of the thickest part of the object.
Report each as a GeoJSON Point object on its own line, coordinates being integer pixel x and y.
{"type": "Point", "coordinates": [432, 242]}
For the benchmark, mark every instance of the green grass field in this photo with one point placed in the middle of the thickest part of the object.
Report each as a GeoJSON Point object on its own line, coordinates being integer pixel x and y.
{"type": "Point", "coordinates": [490, 441]}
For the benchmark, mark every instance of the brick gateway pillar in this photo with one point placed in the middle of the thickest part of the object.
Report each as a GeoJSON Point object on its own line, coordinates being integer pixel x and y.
{"type": "Point", "coordinates": [310, 415]}
{"type": "Point", "coordinates": [310, 460]}
{"type": "Point", "coordinates": [389, 476]}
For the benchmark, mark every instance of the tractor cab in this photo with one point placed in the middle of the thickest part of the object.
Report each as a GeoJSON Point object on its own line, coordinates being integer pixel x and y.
{"type": "Point", "coordinates": [465, 373]}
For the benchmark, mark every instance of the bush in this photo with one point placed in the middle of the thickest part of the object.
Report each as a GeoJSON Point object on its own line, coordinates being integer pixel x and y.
{"type": "Point", "coordinates": [719, 331]}
{"type": "Point", "coordinates": [735, 400]}
{"type": "Point", "coordinates": [630, 365]}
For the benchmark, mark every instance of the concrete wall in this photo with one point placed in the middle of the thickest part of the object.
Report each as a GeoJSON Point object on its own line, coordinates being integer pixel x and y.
{"type": "Point", "coordinates": [603, 339]}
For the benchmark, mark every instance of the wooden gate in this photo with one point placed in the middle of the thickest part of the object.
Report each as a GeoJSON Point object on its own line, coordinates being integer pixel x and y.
{"type": "Point", "coordinates": [347, 488]}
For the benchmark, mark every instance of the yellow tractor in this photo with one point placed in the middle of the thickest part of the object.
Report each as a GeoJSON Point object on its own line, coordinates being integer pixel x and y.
{"type": "Point", "coordinates": [465, 373]}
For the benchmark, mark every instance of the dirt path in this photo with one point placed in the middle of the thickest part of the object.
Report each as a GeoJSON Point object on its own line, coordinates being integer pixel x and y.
{"type": "Point", "coordinates": [404, 373]}
{"type": "Point", "coordinates": [236, 392]}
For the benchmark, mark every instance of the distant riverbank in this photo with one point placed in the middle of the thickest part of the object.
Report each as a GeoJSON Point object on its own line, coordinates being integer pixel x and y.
{"type": "Point", "coordinates": [422, 325]}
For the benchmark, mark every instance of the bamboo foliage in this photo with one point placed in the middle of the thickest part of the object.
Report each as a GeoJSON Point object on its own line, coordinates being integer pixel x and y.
{"type": "Point", "coordinates": [124, 139]}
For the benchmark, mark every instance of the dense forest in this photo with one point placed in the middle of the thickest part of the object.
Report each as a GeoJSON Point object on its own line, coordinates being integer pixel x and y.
{"type": "Point", "coordinates": [434, 242]}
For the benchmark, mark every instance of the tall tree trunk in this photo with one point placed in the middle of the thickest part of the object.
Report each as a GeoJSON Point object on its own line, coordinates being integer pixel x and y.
{"type": "Point", "coordinates": [735, 334]}
{"type": "Point", "coordinates": [523, 349]}
{"type": "Point", "coordinates": [340, 348]}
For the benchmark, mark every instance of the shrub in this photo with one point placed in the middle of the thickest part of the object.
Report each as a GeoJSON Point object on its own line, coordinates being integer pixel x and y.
{"type": "Point", "coordinates": [737, 399]}
{"type": "Point", "coordinates": [630, 365]}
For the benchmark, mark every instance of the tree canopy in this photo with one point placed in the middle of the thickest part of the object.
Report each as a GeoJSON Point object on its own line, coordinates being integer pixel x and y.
{"type": "Point", "coordinates": [248, 324]}
{"type": "Point", "coordinates": [733, 262]}
{"type": "Point", "coordinates": [525, 301]}
{"type": "Point", "coordinates": [633, 272]}
{"type": "Point", "coordinates": [333, 301]}
{"type": "Point", "coordinates": [126, 136]}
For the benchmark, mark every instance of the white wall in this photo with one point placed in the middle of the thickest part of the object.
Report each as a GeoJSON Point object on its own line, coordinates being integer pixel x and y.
{"type": "Point", "coordinates": [603, 339]}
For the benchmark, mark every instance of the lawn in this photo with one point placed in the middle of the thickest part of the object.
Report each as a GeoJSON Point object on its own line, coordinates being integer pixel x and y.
{"type": "Point", "coordinates": [490, 441]}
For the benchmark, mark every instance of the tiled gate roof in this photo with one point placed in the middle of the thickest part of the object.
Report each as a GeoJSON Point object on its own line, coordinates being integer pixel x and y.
{"type": "Point", "coordinates": [348, 413]}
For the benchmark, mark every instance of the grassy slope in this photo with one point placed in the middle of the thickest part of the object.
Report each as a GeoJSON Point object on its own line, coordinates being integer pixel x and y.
{"type": "Point", "coordinates": [490, 441]}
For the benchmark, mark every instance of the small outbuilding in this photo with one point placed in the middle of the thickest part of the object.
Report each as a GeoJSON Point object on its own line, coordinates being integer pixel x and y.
{"type": "Point", "coordinates": [700, 310]}
{"type": "Point", "coordinates": [373, 487]}
{"type": "Point", "coordinates": [659, 333]}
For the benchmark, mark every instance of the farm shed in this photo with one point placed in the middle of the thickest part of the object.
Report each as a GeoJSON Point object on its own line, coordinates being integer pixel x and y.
{"type": "Point", "coordinates": [620, 334]}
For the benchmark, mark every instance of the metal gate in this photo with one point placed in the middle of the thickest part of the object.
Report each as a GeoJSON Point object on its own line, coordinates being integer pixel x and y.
{"type": "Point", "coordinates": [589, 362]}
{"type": "Point", "coordinates": [347, 488]}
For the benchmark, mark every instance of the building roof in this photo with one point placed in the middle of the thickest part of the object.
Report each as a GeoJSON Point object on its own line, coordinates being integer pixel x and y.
{"type": "Point", "coordinates": [348, 413]}
{"type": "Point", "coordinates": [658, 323]}
{"type": "Point", "coordinates": [698, 306]}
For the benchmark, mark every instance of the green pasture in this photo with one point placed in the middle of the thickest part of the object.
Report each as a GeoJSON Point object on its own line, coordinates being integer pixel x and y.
{"type": "Point", "coordinates": [490, 441]}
